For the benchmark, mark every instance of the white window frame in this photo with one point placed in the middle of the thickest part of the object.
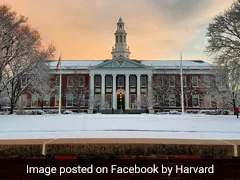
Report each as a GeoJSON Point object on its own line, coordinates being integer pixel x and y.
{"type": "Point", "coordinates": [48, 100]}
{"type": "Point", "coordinates": [84, 81]}
{"type": "Point", "coordinates": [67, 100]}
{"type": "Point", "coordinates": [107, 81]}
{"type": "Point", "coordinates": [197, 81]}
{"type": "Point", "coordinates": [57, 84]}
{"type": "Point", "coordinates": [55, 100]}
{"type": "Point", "coordinates": [25, 80]}
{"type": "Point", "coordinates": [95, 80]}
{"type": "Point", "coordinates": [32, 100]}
{"type": "Point", "coordinates": [185, 78]}
{"type": "Point", "coordinates": [174, 79]}
{"type": "Point", "coordinates": [22, 102]}
{"type": "Point", "coordinates": [219, 81]}
{"type": "Point", "coordinates": [198, 101]}
{"type": "Point", "coordinates": [160, 79]}
{"type": "Point", "coordinates": [119, 81]}
{"type": "Point", "coordinates": [207, 80]}
{"type": "Point", "coordinates": [175, 104]}
{"type": "Point", "coordinates": [135, 81]}
{"type": "Point", "coordinates": [141, 80]}
{"type": "Point", "coordinates": [68, 81]}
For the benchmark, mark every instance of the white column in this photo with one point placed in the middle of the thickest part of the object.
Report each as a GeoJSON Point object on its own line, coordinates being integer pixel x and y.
{"type": "Point", "coordinates": [103, 89]}
{"type": "Point", "coordinates": [114, 92]}
{"type": "Point", "coordinates": [91, 90]}
{"type": "Point", "coordinates": [138, 90]}
{"type": "Point", "coordinates": [127, 91]}
{"type": "Point", "coordinates": [150, 98]}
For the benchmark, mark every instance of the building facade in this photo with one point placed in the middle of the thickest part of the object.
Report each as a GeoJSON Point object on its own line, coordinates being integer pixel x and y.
{"type": "Point", "coordinates": [122, 83]}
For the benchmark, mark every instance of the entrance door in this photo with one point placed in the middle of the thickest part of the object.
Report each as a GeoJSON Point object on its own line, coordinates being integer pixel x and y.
{"type": "Point", "coordinates": [121, 101]}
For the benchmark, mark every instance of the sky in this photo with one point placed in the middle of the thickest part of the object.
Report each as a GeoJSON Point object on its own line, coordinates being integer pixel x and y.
{"type": "Point", "coordinates": [157, 29]}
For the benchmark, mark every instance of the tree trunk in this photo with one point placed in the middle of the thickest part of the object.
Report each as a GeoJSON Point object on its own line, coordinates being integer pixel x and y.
{"type": "Point", "coordinates": [234, 103]}
{"type": "Point", "coordinates": [12, 105]}
{"type": "Point", "coordinates": [79, 107]}
{"type": "Point", "coordinates": [42, 105]}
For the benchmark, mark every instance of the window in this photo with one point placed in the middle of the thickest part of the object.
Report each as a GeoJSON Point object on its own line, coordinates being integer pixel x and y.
{"type": "Point", "coordinates": [132, 81]}
{"type": "Point", "coordinates": [195, 100]}
{"type": "Point", "coordinates": [159, 99]}
{"type": "Point", "coordinates": [24, 82]}
{"type": "Point", "coordinates": [184, 81]}
{"type": "Point", "coordinates": [57, 100]}
{"type": "Point", "coordinates": [132, 101]}
{"type": "Point", "coordinates": [159, 80]}
{"type": "Point", "coordinates": [124, 39]}
{"type": "Point", "coordinates": [207, 81]}
{"type": "Point", "coordinates": [57, 80]}
{"type": "Point", "coordinates": [219, 81]}
{"type": "Point", "coordinates": [172, 100]}
{"type": "Point", "coordinates": [82, 81]}
{"type": "Point", "coordinates": [120, 81]}
{"type": "Point", "coordinates": [143, 81]}
{"type": "Point", "coordinates": [116, 39]}
{"type": "Point", "coordinates": [213, 102]}
{"type": "Point", "coordinates": [34, 100]}
{"type": "Point", "coordinates": [171, 81]}
{"type": "Point", "coordinates": [120, 38]}
{"type": "Point", "coordinates": [109, 100]}
{"type": "Point", "coordinates": [22, 100]}
{"type": "Point", "coordinates": [144, 102]}
{"type": "Point", "coordinates": [46, 101]}
{"type": "Point", "coordinates": [69, 100]}
{"type": "Point", "coordinates": [109, 81]}
{"type": "Point", "coordinates": [97, 81]}
{"type": "Point", "coordinates": [194, 81]}
{"type": "Point", "coordinates": [69, 81]}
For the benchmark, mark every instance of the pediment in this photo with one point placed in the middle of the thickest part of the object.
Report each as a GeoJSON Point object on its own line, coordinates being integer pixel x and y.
{"type": "Point", "coordinates": [120, 62]}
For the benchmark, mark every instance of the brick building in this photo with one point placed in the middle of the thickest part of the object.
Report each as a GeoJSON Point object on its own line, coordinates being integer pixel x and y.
{"type": "Point", "coordinates": [123, 83]}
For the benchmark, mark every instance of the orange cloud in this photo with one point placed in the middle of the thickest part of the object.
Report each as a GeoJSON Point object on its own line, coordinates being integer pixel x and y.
{"type": "Point", "coordinates": [83, 29]}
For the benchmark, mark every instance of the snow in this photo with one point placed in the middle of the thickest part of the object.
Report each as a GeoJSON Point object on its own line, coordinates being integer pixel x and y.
{"type": "Point", "coordinates": [119, 126]}
{"type": "Point", "coordinates": [173, 64]}
{"type": "Point", "coordinates": [156, 64]}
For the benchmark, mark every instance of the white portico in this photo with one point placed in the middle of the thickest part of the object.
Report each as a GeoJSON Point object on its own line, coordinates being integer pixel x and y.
{"type": "Point", "coordinates": [122, 81]}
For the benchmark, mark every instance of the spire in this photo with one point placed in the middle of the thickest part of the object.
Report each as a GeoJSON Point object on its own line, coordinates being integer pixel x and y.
{"type": "Point", "coordinates": [120, 48]}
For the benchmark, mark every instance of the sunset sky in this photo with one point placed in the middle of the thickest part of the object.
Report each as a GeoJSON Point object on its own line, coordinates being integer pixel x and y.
{"type": "Point", "coordinates": [157, 29]}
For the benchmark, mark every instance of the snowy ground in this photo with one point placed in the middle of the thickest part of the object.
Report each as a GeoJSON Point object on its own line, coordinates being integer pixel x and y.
{"type": "Point", "coordinates": [119, 126]}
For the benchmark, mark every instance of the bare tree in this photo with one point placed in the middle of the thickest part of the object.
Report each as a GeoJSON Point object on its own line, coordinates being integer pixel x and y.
{"type": "Point", "coordinates": [42, 85]}
{"type": "Point", "coordinates": [223, 87]}
{"type": "Point", "coordinates": [28, 70]}
{"type": "Point", "coordinates": [224, 46]}
{"type": "Point", "coordinates": [79, 91]}
{"type": "Point", "coordinates": [22, 55]}
{"type": "Point", "coordinates": [162, 91]}
{"type": "Point", "coordinates": [13, 29]}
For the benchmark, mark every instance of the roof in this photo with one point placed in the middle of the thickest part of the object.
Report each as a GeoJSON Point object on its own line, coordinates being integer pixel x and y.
{"type": "Point", "coordinates": [75, 64]}
{"type": "Point", "coordinates": [155, 64]}
{"type": "Point", "coordinates": [173, 64]}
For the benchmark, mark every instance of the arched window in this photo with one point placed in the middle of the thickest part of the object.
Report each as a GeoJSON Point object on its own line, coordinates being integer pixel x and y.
{"type": "Point", "coordinates": [120, 38]}
{"type": "Point", "coordinates": [116, 39]}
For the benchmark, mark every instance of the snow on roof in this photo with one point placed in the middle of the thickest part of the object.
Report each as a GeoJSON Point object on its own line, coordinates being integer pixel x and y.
{"type": "Point", "coordinates": [75, 64]}
{"type": "Point", "coordinates": [155, 64]}
{"type": "Point", "coordinates": [173, 64]}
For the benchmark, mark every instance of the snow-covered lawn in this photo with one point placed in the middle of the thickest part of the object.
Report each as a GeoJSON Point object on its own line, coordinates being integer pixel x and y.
{"type": "Point", "coordinates": [119, 126]}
